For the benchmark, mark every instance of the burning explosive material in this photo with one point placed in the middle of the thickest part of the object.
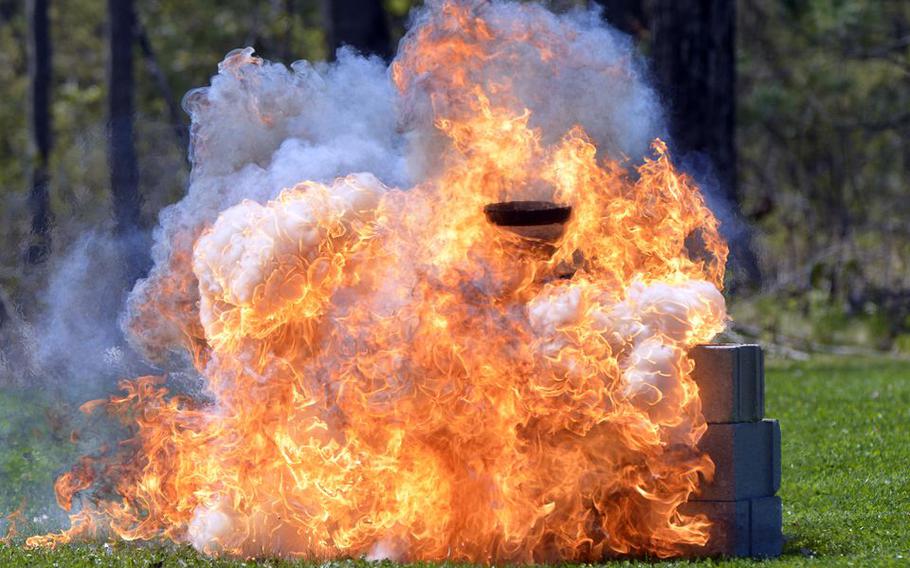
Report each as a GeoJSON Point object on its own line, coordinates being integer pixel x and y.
{"type": "Point", "coordinates": [386, 375]}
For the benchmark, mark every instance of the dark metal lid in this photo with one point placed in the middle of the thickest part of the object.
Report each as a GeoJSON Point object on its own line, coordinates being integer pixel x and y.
{"type": "Point", "coordinates": [526, 213]}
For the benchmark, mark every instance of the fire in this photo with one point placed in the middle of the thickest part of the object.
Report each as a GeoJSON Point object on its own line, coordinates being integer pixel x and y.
{"type": "Point", "coordinates": [389, 375]}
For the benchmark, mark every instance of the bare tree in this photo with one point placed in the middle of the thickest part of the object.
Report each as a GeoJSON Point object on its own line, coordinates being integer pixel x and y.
{"type": "Point", "coordinates": [694, 58]}
{"type": "Point", "coordinates": [693, 54]}
{"type": "Point", "coordinates": [626, 15]}
{"type": "Point", "coordinates": [39, 67]}
{"type": "Point", "coordinates": [181, 136]}
{"type": "Point", "coordinates": [287, 36]}
{"type": "Point", "coordinates": [360, 24]}
{"type": "Point", "coordinates": [694, 61]}
{"type": "Point", "coordinates": [122, 160]}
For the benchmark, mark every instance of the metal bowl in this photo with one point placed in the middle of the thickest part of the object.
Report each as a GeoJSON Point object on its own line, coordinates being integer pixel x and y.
{"type": "Point", "coordinates": [526, 213]}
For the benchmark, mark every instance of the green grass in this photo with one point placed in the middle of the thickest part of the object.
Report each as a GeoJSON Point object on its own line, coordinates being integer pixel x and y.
{"type": "Point", "coordinates": [846, 478]}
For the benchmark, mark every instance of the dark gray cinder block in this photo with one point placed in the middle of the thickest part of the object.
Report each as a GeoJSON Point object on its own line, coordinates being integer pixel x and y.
{"type": "Point", "coordinates": [766, 515]}
{"type": "Point", "coordinates": [731, 382]}
{"type": "Point", "coordinates": [750, 527]}
{"type": "Point", "coordinates": [746, 457]}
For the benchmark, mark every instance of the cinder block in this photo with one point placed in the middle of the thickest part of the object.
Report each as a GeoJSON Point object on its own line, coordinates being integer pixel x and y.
{"type": "Point", "coordinates": [747, 460]}
{"type": "Point", "coordinates": [751, 527]}
{"type": "Point", "coordinates": [731, 382]}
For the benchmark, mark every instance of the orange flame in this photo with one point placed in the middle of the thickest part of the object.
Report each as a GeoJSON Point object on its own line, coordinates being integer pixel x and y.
{"type": "Point", "coordinates": [13, 521]}
{"type": "Point", "coordinates": [392, 376]}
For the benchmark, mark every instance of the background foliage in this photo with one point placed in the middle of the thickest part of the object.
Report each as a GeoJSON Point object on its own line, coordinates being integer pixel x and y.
{"type": "Point", "coordinates": [824, 155]}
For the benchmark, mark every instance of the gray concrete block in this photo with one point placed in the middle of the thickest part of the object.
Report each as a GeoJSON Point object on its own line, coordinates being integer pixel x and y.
{"type": "Point", "coordinates": [767, 527]}
{"type": "Point", "coordinates": [731, 382]}
{"type": "Point", "coordinates": [746, 458]}
{"type": "Point", "coordinates": [750, 527]}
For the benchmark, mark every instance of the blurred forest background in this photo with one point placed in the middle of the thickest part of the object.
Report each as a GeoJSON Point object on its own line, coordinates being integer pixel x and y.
{"type": "Point", "coordinates": [802, 106]}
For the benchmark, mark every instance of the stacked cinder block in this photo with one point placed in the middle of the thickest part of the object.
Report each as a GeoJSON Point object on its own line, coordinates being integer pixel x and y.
{"type": "Point", "coordinates": [745, 447]}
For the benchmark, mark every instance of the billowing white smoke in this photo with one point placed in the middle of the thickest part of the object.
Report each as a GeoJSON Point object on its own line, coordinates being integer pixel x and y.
{"type": "Point", "coordinates": [657, 317]}
{"type": "Point", "coordinates": [261, 127]}
{"type": "Point", "coordinates": [251, 245]}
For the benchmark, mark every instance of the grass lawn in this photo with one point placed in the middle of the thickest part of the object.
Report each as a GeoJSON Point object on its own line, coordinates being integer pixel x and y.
{"type": "Point", "coordinates": [846, 478]}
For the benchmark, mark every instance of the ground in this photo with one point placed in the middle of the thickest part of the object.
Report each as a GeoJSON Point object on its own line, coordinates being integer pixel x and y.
{"type": "Point", "coordinates": [846, 478]}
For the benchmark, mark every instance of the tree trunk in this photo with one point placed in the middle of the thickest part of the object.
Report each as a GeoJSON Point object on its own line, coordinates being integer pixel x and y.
{"type": "Point", "coordinates": [625, 15]}
{"type": "Point", "coordinates": [694, 55]}
{"type": "Point", "coordinates": [173, 107]}
{"type": "Point", "coordinates": [39, 66]}
{"type": "Point", "coordinates": [124, 169]}
{"type": "Point", "coordinates": [360, 24]}
{"type": "Point", "coordinates": [287, 40]}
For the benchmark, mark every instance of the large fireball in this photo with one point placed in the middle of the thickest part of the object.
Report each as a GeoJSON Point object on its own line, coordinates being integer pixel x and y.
{"type": "Point", "coordinates": [387, 374]}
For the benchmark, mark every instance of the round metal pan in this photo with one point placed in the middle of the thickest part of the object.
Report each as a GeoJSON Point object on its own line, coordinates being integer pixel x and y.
{"type": "Point", "coordinates": [526, 213]}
